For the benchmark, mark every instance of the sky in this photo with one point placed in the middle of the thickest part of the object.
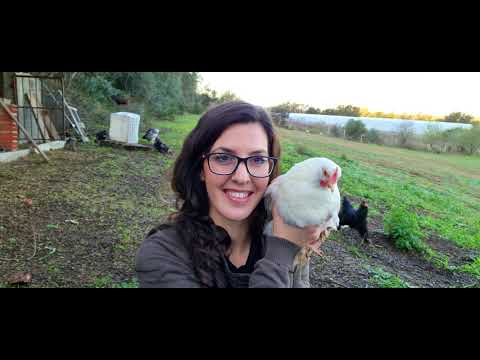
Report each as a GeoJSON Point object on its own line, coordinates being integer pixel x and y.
{"type": "Point", "coordinates": [434, 93]}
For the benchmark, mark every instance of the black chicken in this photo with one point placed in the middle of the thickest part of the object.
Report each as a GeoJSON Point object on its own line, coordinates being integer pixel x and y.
{"type": "Point", "coordinates": [119, 100]}
{"type": "Point", "coordinates": [160, 146]}
{"type": "Point", "coordinates": [151, 135]}
{"type": "Point", "coordinates": [101, 136]}
{"type": "Point", "coordinates": [354, 218]}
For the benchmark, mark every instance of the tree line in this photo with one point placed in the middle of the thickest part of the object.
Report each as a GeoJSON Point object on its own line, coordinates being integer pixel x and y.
{"type": "Point", "coordinates": [165, 94]}
{"type": "Point", "coordinates": [457, 140]}
{"type": "Point", "coordinates": [355, 111]}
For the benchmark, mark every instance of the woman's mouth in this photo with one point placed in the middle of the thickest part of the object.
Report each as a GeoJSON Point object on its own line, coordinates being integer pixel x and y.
{"type": "Point", "coordinates": [238, 197]}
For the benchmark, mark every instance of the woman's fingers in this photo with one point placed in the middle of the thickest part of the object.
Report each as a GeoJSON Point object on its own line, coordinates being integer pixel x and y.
{"type": "Point", "coordinates": [313, 233]}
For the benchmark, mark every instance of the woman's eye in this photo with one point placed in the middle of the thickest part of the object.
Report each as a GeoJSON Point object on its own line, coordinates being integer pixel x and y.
{"type": "Point", "coordinates": [259, 160]}
{"type": "Point", "coordinates": [222, 158]}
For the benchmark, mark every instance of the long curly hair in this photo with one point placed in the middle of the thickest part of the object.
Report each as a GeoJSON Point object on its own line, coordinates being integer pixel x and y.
{"type": "Point", "coordinates": [206, 242]}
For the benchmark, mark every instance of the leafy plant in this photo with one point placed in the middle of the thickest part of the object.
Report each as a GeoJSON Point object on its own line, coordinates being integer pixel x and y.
{"type": "Point", "coordinates": [384, 279]}
{"type": "Point", "coordinates": [403, 228]}
{"type": "Point", "coordinates": [472, 268]}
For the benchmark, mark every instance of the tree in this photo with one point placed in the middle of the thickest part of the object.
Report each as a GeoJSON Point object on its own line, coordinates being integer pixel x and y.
{"type": "Point", "coordinates": [207, 97]}
{"type": "Point", "coordinates": [373, 136]}
{"type": "Point", "coordinates": [349, 110]}
{"type": "Point", "coordinates": [344, 110]}
{"type": "Point", "coordinates": [470, 139]}
{"type": "Point", "coordinates": [405, 133]}
{"type": "Point", "coordinates": [459, 117]}
{"type": "Point", "coordinates": [165, 93]}
{"type": "Point", "coordinates": [433, 136]}
{"type": "Point", "coordinates": [289, 107]}
{"type": "Point", "coordinates": [336, 130]}
{"type": "Point", "coordinates": [228, 96]}
{"type": "Point", "coordinates": [354, 129]}
{"type": "Point", "coordinates": [313, 110]}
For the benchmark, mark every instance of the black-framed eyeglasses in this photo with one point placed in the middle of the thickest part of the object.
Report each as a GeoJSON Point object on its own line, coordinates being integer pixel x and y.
{"type": "Point", "coordinates": [258, 166]}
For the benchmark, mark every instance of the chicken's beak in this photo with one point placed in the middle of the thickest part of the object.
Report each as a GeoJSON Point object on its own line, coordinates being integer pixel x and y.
{"type": "Point", "coordinates": [332, 181]}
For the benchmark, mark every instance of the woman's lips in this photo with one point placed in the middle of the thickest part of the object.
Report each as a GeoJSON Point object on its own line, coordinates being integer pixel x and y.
{"type": "Point", "coordinates": [238, 197]}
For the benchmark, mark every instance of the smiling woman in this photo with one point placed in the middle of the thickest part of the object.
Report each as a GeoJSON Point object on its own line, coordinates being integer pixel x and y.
{"type": "Point", "coordinates": [216, 238]}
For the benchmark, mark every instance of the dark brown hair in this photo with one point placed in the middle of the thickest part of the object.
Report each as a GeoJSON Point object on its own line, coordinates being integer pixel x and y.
{"type": "Point", "coordinates": [206, 242]}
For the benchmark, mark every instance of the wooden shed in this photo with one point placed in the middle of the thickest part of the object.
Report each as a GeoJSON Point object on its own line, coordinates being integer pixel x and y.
{"type": "Point", "coordinates": [39, 104]}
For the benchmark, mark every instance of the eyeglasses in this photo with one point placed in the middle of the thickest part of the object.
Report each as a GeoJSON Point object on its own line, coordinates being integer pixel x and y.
{"type": "Point", "coordinates": [226, 164]}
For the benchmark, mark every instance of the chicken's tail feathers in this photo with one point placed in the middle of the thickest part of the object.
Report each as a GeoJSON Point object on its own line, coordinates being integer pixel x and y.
{"type": "Point", "coordinates": [346, 204]}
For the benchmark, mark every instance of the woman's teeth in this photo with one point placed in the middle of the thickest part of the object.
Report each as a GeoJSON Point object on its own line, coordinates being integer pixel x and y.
{"type": "Point", "coordinates": [238, 195]}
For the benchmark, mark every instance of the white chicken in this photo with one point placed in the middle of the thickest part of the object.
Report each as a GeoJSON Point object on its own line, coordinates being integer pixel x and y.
{"type": "Point", "coordinates": [306, 195]}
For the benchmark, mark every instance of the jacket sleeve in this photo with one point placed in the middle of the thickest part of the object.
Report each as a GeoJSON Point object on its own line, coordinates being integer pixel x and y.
{"type": "Point", "coordinates": [276, 268]}
{"type": "Point", "coordinates": [162, 262]}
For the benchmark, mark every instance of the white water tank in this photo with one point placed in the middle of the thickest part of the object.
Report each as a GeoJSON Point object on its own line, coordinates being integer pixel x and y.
{"type": "Point", "coordinates": [124, 127]}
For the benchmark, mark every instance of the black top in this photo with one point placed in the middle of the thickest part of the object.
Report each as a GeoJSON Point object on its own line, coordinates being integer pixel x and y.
{"type": "Point", "coordinates": [254, 255]}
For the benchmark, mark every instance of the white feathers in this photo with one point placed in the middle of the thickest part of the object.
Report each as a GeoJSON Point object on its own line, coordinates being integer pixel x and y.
{"type": "Point", "coordinates": [307, 194]}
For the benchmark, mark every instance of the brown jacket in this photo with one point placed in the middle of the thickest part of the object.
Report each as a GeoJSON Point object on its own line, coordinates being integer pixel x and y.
{"type": "Point", "coordinates": [163, 262]}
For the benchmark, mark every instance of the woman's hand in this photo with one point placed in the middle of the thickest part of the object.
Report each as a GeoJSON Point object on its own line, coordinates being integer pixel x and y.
{"type": "Point", "coordinates": [310, 236]}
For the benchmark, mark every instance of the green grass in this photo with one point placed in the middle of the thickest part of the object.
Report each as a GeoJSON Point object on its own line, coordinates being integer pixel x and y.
{"type": "Point", "coordinates": [107, 282]}
{"type": "Point", "coordinates": [383, 279]}
{"type": "Point", "coordinates": [473, 268]}
{"type": "Point", "coordinates": [355, 251]}
{"type": "Point", "coordinates": [102, 282]}
{"type": "Point", "coordinates": [132, 284]}
{"type": "Point", "coordinates": [442, 189]}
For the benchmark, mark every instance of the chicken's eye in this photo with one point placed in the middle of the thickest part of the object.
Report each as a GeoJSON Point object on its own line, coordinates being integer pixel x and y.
{"type": "Point", "coordinates": [325, 173]}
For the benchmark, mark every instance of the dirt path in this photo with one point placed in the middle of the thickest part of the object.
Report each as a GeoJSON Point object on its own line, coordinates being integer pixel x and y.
{"type": "Point", "coordinates": [90, 209]}
{"type": "Point", "coordinates": [349, 262]}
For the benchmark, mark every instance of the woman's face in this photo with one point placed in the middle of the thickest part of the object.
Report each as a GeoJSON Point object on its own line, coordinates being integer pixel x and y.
{"type": "Point", "coordinates": [234, 197]}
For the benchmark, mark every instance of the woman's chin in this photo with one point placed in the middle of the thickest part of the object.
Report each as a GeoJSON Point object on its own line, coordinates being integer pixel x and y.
{"type": "Point", "coordinates": [237, 214]}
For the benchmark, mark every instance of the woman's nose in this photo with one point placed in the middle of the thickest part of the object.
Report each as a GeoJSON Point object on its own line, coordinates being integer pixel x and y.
{"type": "Point", "coordinates": [241, 175]}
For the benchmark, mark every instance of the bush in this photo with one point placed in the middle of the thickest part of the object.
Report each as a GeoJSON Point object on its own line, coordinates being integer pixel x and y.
{"type": "Point", "coordinates": [454, 140]}
{"type": "Point", "coordinates": [402, 227]}
{"type": "Point", "coordinates": [354, 129]}
{"type": "Point", "coordinates": [165, 93]}
{"type": "Point", "coordinates": [472, 268]}
{"type": "Point", "coordinates": [373, 136]}
{"type": "Point", "coordinates": [470, 140]}
{"type": "Point", "coordinates": [97, 86]}
{"type": "Point", "coordinates": [405, 134]}
{"type": "Point", "coordinates": [318, 128]}
{"type": "Point", "coordinates": [459, 117]}
{"type": "Point", "coordinates": [434, 136]}
{"type": "Point", "coordinates": [303, 150]}
{"type": "Point", "coordinates": [337, 130]}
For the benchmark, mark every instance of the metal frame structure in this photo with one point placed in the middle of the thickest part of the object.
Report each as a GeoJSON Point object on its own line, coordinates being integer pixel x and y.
{"type": "Point", "coordinates": [41, 91]}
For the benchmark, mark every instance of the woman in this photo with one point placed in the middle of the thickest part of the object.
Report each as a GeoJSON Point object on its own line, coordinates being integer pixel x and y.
{"type": "Point", "coordinates": [216, 238]}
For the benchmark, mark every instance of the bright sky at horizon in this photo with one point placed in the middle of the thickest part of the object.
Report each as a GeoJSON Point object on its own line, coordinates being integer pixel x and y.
{"type": "Point", "coordinates": [434, 93]}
